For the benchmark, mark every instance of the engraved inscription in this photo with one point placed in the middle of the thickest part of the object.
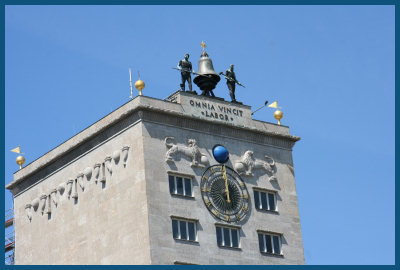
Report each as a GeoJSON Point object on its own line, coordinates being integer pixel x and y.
{"type": "Point", "coordinates": [215, 111]}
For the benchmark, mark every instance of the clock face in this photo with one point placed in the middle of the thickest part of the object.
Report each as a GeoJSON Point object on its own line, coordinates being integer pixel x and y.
{"type": "Point", "coordinates": [224, 193]}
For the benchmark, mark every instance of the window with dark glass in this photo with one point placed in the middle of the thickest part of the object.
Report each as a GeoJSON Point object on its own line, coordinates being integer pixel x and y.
{"type": "Point", "coordinates": [265, 200]}
{"type": "Point", "coordinates": [270, 243]}
{"type": "Point", "coordinates": [184, 230]}
{"type": "Point", "coordinates": [179, 185]}
{"type": "Point", "coordinates": [227, 237]}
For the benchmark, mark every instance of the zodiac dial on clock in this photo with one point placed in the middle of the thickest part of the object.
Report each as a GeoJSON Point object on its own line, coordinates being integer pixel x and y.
{"type": "Point", "coordinates": [224, 193]}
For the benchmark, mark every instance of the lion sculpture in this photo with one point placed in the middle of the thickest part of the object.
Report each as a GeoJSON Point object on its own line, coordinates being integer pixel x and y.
{"type": "Point", "coordinates": [192, 151]}
{"type": "Point", "coordinates": [247, 163]}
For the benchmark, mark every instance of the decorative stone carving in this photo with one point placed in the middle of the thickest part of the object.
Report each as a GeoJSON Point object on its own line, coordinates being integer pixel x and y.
{"type": "Point", "coordinates": [75, 195]}
{"type": "Point", "coordinates": [192, 151]}
{"type": "Point", "coordinates": [108, 165]}
{"type": "Point", "coordinates": [88, 173]}
{"type": "Point", "coordinates": [69, 187]}
{"type": "Point", "coordinates": [53, 195]}
{"type": "Point", "coordinates": [107, 162]}
{"type": "Point", "coordinates": [28, 209]}
{"type": "Point", "coordinates": [48, 205]}
{"type": "Point", "coordinates": [61, 188]}
{"type": "Point", "coordinates": [43, 200]}
{"type": "Point", "coordinates": [96, 172]}
{"type": "Point", "coordinates": [100, 171]}
{"type": "Point", "coordinates": [125, 150]}
{"type": "Point", "coordinates": [103, 173]}
{"type": "Point", "coordinates": [79, 179]}
{"type": "Point", "coordinates": [116, 156]}
{"type": "Point", "coordinates": [35, 204]}
{"type": "Point", "coordinates": [247, 163]}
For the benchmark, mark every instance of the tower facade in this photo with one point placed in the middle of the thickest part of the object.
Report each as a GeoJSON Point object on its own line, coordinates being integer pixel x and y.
{"type": "Point", "coordinates": [142, 186]}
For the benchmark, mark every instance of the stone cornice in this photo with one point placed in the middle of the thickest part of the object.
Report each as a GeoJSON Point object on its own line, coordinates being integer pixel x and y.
{"type": "Point", "coordinates": [142, 104]}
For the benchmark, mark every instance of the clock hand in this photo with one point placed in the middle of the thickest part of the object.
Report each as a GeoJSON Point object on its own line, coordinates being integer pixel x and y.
{"type": "Point", "coordinates": [226, 184]}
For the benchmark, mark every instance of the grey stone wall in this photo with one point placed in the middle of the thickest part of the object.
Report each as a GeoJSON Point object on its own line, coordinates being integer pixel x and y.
{"type": "Point", "coordinates": [107, 224]}
{"type": "Point", "coordinates": [127, 220]}
{"type": "Point", "coordinates": [166, 250]}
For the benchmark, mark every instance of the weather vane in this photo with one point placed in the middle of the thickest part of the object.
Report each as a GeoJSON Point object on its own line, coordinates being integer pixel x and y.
{"type": "Point", "coordinates": [20, 159]}
{"type": "Point", "coordinates": [203, 45]}
{"type": "Point", "coordinates": [277, 114]}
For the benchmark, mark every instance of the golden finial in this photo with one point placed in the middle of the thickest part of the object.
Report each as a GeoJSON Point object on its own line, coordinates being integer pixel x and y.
{"type": "Point", "coordinates": [203, 45]}
{"type": "Point", "coordinates": [277, 114]}
{"type": "Point", "coordinates": [139, 85]}
{"type": "Point", "coordinates": [20, 159]}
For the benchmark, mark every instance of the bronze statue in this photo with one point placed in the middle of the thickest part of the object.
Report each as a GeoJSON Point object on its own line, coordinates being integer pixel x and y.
{"type": "Point", "coordinates": [185, 66]}
{"type": "Point", "coordinates": [231, 82]}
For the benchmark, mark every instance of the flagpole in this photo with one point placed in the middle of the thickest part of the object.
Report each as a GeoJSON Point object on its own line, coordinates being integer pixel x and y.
{"type": "Point", "coordinates": [265, 104]}
{"type": "Point", "coordinates": [130, 82]}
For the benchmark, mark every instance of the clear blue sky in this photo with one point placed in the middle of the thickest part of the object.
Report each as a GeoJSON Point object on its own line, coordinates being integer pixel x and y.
{"type": "Point", "coordinates": [330, 67]}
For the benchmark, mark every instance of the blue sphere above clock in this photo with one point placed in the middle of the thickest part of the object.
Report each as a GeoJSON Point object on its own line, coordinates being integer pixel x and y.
{"type": "Point", "coordinates": [220, 153]}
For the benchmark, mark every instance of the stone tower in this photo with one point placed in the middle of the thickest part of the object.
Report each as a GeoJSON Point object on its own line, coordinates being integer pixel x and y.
{"type": "Point", "coordinates": [141, 186]}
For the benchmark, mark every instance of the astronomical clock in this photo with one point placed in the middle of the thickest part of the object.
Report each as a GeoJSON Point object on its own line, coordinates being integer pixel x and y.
{"type": "Point", "coordinates": [223, 191]}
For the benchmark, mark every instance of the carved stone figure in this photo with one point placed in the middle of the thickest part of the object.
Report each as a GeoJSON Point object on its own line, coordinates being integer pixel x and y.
{"type": "Point", "coordinates": [28, 209]}
{"type": "Point", "coordinates": [70, 183]}
{"type": "Point", "coordinates": [80, 181]}
{"type": "Point", "coordinates": [43, 199]}
{"type": "Point", "coordinates": [48, 205]}
{"type": "Point", "coordinates": [96, 171]}
{"type": "Point", "coordinates": [61, 188]}
{"type": "Point", "coordinates": [108, 165]}
{"type": "Point", "coordinates": [75, 195]}
{"type": "Point", "coordinates": [116, 155]}
{"type": "Point", "coordinates": [248, 163]}
{"type": "Point", "coordinates": [192, 151]}
{"type": "Point", "coordinates": [53, 194]}
{"type": "Point", "coordinates": [100, 171]}
{"type": "Point", "coordinates": [88, 173]}
{"type": "Point", "coordinates": [35, 204]}
{"type": "Point", "coordinates": [125, 154]}
{"type": "Point", "coordinates": [103, 173]}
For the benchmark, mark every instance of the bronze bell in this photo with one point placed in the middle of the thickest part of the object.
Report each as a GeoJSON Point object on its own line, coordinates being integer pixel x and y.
{"type": "Point", "coordinates": [206, 78]}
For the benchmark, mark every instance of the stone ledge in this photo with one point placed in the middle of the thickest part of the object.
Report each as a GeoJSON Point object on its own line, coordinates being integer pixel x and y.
{"type": "Point", "coordinates": [181, 174]}
{"type": "Point", "coordinates": [227, 225]}
{"type": "Point", "coordinates": [269, 232]}
{"type": "Point", "coordinates": [137, 104]}
{"type": "Point", "coordinates": [184, 218]}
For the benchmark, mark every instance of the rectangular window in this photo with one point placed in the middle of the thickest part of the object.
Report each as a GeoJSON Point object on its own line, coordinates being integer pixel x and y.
{"type": "Point", "coordinates": [171, 180]}
{"type": "Point", "coordinates": [219, 236]}
{"type": "Point", "coordinates": [192, 231]}
{"type": "Point", "coordinates": [179, 185]}
{"type": "Point", "coordinates": [184, 230]}
{"type": "Point", "coordinates": [227, 237]}
{"type": "Point", "coordinates": [270, 243]}
{"type": "Point", "coordinates": [271, 201]}
{"type": "Point", "coordinates": [175, 229]}
{"type": "Point", "coordinates": [265, 200]}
